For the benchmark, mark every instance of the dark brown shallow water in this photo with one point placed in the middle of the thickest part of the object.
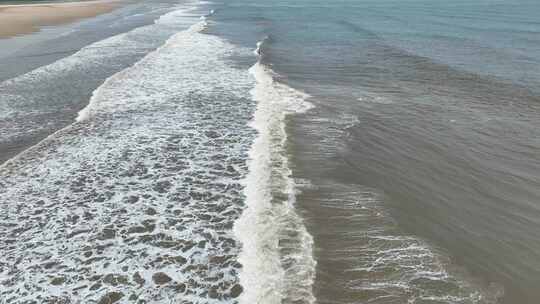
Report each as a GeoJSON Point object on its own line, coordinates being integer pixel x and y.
{"type": "Point", "coordinates": [448, 157]}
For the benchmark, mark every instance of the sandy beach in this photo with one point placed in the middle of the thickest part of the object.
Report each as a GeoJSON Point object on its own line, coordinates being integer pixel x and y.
{"type": "Point", "coordinates": [28, 18]}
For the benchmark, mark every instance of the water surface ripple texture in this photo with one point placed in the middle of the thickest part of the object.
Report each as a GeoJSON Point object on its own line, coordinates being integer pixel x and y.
{"type": "Point", "coordinates": [274, 152]}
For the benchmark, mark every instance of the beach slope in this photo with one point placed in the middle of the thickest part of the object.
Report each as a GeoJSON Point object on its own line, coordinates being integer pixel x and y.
{"type": "Point", "coordinates": [24, 19]}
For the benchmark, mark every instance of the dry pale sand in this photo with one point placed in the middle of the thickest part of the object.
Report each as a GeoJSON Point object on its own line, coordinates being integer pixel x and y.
{"type": "Point", "coordinates": [23, 19]}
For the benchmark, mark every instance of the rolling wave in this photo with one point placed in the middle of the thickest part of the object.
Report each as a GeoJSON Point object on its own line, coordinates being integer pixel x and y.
{"type": "Point", "coordinates": [277, 258]}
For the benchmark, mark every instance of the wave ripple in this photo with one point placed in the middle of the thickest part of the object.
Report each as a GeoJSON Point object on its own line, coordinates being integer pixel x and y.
{"type": "Point", "coordinates": [136, 201]}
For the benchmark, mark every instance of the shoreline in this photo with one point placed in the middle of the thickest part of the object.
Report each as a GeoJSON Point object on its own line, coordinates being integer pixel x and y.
{"type": "Point", "coordinates": [23, 19]}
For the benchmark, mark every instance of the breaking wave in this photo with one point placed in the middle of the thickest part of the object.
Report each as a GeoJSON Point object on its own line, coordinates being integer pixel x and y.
{"type": "Point", "coordinates": [278, 264]}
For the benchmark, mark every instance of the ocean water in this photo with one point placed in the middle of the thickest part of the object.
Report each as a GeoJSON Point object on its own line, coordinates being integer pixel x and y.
{"type": "Point", "coordinates": [292, 151]}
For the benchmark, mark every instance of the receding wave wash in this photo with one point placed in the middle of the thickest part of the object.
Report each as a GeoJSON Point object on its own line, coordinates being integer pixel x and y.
{"type": "Point", "coordinates": [270, 152]}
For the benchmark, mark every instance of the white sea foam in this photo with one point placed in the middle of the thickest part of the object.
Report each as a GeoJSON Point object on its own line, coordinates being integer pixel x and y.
{"type": "Point", "coordinates": [270, 197]}
{"type": "Point", "coordinates": [178, 16]}
{"type": "Point", "coordinates": [23, 110]}
{"type": "Point", "coordinates": [146, 182]}
{"type": "Point", "coordinates": [258, 49]}
{"type": "Point", "coordinates": [104, 95]}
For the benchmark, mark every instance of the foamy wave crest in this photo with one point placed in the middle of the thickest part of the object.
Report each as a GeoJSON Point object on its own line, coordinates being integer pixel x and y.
{"type": "Point", "coordinates": [40, 101]}
{"type": "Point", "coordinates": [32, 107]}
{"type": "Point", "coordinates": [258, 49]}
{"type": "Point", "coordinates": [177, 16]}
{"type": "Point", "coordinates": [102, 95]}
{"type": "Point", "coordinates": [277, 260]}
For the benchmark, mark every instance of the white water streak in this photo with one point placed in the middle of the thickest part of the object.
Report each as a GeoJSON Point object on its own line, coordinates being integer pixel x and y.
{"type": "Point", "coordinates": [264, 222]}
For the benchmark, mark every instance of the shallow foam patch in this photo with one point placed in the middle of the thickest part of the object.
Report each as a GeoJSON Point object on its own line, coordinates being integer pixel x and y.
{"type": "Point", "coordinates": [138, 199]}
{"type": "Point", "coordinates": [46, 99]}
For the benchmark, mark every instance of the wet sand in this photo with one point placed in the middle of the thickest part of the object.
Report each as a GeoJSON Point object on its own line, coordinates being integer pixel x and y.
{"type": "Point", "coordinates": [24, 19]}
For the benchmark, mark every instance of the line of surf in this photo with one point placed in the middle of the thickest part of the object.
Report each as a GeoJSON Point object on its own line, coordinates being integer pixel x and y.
{"type": "Point", "coordinates": [91, 108]}
{"type": "Point", "coordinates": [86, 112]}
{"type": "Point", "coordinates": [268, 217]}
